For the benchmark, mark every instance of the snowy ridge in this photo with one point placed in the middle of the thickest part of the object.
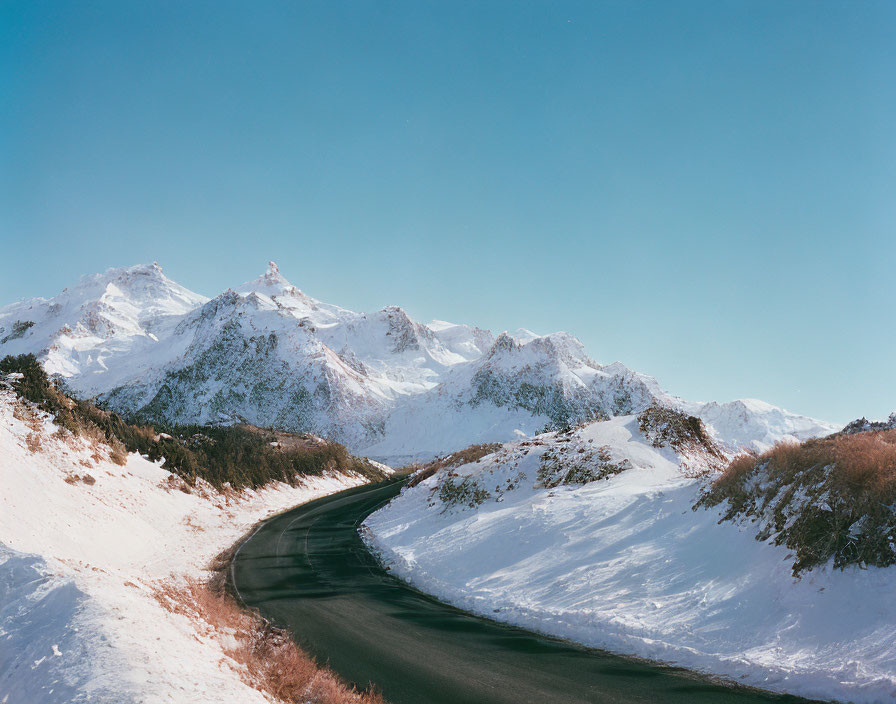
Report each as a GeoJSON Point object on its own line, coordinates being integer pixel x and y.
{"type": "Point", "coordinates": [591, 535]}
{"type": "Point", "coordinates": [756, 425]}
{"type": "Point", "coordinates": [90, 331]}
{"type": "Point", "coordinates": [381, 383]}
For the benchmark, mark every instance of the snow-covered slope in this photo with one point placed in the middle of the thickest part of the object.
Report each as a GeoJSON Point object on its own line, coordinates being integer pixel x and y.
{"type": "Point", "coordinates": [592, 536]}
{"type": "Point", "coordinates": [381, 383]}
{"type": "Point", "coordinates": [88, 546]}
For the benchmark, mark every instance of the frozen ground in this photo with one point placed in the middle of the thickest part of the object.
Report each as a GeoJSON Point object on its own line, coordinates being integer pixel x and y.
{"type": "Point", "coordinates": [625, 564]}
{"type": "Point", "coordinates": [79, 563]}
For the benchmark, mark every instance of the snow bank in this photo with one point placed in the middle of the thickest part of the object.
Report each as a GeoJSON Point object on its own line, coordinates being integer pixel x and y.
{"type": "Point", "coordinates": [78, 616]}
{"type": "Point", "coordinates": [625, 564]}
{"type": "Point", "coordinates": [52, 650]}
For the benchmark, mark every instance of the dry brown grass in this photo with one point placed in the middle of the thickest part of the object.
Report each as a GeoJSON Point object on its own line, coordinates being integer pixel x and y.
{"type": "Point", "coordinates": [118, 453]}
{"type": "Point", "coordinates": [868, 461]}
{"type": "Point", "coordinates": [267, 657]}
{"type": "Point", "coordinates": [474, 453]}
{"type": "Point", "coordinates": [824, 498]}
{"type": "Point", "coordinates": [864, 463]}
{"type": "Point", "coordinates": [32, 440]}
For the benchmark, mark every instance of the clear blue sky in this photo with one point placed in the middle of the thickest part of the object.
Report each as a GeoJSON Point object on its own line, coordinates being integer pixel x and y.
{"type": "Point", "coordinates": [703, 190]}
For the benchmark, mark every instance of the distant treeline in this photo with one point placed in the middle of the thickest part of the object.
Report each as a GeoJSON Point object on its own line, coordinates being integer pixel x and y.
{"type": "Point", "coordinates": [244, 457]}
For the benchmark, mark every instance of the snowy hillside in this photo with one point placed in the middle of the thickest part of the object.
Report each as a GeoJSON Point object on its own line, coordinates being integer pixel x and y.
{"type": "Point", "coordinates": [88, 550]}
{"type": "Point", "coordinates": [592, 535]}
{"type": "Point", "coordinates": [381, 383]}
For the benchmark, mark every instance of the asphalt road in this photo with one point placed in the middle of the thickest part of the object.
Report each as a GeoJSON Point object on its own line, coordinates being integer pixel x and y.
{"type": "Point", "coordinates": [308, 570]}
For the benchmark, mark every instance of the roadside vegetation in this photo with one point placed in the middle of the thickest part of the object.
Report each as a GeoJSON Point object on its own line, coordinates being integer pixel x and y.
{"type": "Point", "coordinates": [269, 658]}
{"type": "Point", "coordinates": [266, 657]}
{"type": "Point", "coordinates": [239, 456]}
{"type": "Point", "coordinates": [830, 498]}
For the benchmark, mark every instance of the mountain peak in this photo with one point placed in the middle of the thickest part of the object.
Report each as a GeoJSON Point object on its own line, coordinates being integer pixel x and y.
{"type": "Point", "coordinates": [120, 273]}
{"type": "Point", "coordinates": [141, 286]}
{"type": "Point", "coordinates": [270, 283]}
{"type": "Point", "coordinates": [273, 275]}
{"type": "Point", "coordinates": [504, 343]}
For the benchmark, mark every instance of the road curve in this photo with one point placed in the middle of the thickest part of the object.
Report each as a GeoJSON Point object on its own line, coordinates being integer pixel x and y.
{"type": "Point", "coordinates": [307, 570]}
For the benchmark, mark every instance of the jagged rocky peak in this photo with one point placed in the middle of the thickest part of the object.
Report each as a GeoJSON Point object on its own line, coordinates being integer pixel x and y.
{"type": "Point", "coordinates": [504, 343]}
{"type": "Point", "coordinates": [273, 285]}
{"type": "Point", "coordinates": [562, 345]}
{"type": "Point", "coordinates": [154, 269]}
{"type": "Point", "coordinates": [555, 347]}
{"type": "Point", "coordinates": [136, 276]}
{"type": "Point", "coordinates": [405, 333]}
{"type": "Point", "coordinates": [223, 301]}
{"type": "Point", "coordinates": [119, 301]}
{"type": "Point", "coordinates": [863, 425]}
{"type": "Point", "coordinates": [273, 275]}
{"type": "Point", "coordinates": [141, 292]}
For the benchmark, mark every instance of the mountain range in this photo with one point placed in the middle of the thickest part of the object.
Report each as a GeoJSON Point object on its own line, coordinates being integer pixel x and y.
{"type": "Point", "coordinates": [381, 383]}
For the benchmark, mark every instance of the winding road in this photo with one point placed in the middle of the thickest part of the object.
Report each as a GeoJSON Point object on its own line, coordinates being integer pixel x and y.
{"type": "Point", "coordinates": [308, 570]}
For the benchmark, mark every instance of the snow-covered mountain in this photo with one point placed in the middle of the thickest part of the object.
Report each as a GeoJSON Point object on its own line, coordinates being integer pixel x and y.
{"type": "Point", "coordinates": [88, 333]}
{"type": "Point", "coordinates": [381, 383]}
{"type": "Point", "coordinates": [756, 425]}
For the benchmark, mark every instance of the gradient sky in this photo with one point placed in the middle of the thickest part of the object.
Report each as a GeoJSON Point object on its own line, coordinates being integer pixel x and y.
{"type": "Point", "coordinates": [703, 190]}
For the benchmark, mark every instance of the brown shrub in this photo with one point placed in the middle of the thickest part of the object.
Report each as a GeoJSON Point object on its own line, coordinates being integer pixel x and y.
{"type": "Point", "coordinates": [78, 479]}
{"type": "Point", "coordinates": [118, 452]}
{"type": "Point", "coordinates": [32, 440]}
{"type": "Point", "coordinates": [474, 453]}
{"type": "Point", "coordinates": [825, 498]}
{"type": "Point", "coordinates": [867, 462]}
{"type": "Point", "coordinates": [273, 662]}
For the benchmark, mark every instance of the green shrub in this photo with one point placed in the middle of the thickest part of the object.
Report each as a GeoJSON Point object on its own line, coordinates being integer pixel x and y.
{"type": "Point", "coordinates": [557, 468]}
{"type": "Point", "coordinates": [242, 456]}
{"type": "Point", "coordinates": [465, 492]}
